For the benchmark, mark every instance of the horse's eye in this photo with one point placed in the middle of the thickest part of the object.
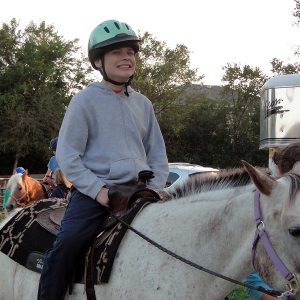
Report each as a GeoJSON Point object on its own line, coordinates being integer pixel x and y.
{"type": "Point", "coordinates": [294, 231]}
{"type": "Point", "coordinates": [20, 188]}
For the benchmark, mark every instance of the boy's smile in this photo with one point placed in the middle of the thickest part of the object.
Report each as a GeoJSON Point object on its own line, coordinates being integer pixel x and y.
{"type": "Point", "coordinates": [119, 64]}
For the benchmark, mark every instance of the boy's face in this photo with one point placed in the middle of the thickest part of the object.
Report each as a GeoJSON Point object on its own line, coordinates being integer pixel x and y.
{"type": "Point", "coordinates": [119, 64]}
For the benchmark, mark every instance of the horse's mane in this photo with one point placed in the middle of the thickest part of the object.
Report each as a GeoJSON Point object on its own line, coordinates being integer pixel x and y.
{"type": "Point", "coordinates": [197, 183]}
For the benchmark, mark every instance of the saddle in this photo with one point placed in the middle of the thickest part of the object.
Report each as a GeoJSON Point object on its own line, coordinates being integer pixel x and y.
{"type": "Point", "coordinates": [47, 189]}
{"type": "Point", "coordinates": [122, 196]}
{"type": "Point", "coordinates": [51, 219]}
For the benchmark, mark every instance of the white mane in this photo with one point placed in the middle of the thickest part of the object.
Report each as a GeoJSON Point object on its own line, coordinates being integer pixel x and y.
{"type": "Point", "coordinates": [197, 185]}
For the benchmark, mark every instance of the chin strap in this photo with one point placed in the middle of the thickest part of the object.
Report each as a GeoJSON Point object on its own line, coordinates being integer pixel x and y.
{"type": "Point", "coordinates": [106, 78]}
{"type": "Point", "coordinates": [126, 84]}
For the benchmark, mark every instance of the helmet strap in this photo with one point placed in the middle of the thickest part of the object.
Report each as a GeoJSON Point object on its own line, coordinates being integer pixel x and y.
{"type": "Point", "coordinates": [106, 78]}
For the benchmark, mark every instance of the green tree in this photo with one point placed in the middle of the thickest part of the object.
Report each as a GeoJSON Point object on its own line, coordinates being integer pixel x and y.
{"type": "Point", "coordinates": [242, 105]}
{"type": "Point", "coordinates": [39, 72]}
{"type": "Point", "coordinates": [279, 68]}
{"type": "Point", "coordinates": [163, 73]}
{"type": "Point", "coordinates": [296, 12]}
{"type": "Point", "coordinates": [203, 136]}
{"type": "Point", "coordinates": [172, 123]}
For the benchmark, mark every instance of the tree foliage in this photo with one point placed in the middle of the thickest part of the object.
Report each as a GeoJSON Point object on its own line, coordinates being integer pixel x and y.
{"type": "Point", "coordinates": [296, 12]}
{"type": "Point", "coordinates": [242, 86]}
{"type": "Point", "coordinates": [280, 68]}
{"type": "Point", "coordinates": [39, 71]}
{"type": "Point", "coordinates": [162, 73]}
{"type": "Point", "coordinates": [203, 134]}
{"type": "Point", "coordinates": [220, 133]}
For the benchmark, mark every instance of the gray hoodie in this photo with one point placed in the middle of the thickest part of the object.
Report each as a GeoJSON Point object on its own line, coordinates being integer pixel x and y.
{"type": "Point", "coordinates": [107, 138]}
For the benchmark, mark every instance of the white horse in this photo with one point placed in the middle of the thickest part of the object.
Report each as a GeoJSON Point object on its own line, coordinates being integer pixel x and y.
{"type": "Point", "coordinates": [213, 228]}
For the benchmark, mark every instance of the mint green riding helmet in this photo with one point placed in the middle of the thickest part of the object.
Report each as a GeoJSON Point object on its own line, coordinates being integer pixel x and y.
{"type": "Point", "coordinates": [109, 35]}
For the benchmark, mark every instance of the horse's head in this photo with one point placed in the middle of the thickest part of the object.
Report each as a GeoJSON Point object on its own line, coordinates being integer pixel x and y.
{"type": "Point", "coordinates": [18, 191]}
{"type": "Point", "coordinates": [280, 211]}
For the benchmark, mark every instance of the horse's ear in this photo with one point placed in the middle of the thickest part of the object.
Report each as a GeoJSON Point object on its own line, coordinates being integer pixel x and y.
{"type": "Point", "coordinates": [25, 173]}
{"type": "Point", "coordinates": [263, 181]}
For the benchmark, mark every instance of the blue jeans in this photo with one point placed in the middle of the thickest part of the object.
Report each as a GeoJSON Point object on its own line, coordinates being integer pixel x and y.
{"type": "Point", "coordinates": [83, 217]}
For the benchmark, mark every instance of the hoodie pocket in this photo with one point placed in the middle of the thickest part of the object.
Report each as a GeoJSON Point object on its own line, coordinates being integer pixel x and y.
{"type": "Point", "coordinates": [126, 169]}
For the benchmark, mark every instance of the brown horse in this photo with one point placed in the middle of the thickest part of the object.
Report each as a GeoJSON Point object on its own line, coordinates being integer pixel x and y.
{"type": "Point", "coordinates": [24, 190]}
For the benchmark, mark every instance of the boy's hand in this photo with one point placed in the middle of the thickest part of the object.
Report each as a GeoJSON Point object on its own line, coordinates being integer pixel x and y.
{"type": "Point", "coordinates": [102, 197]}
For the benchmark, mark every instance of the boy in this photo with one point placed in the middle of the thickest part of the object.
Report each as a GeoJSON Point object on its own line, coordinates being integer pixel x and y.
{"type": "Point", "coordinates": [109, 134]}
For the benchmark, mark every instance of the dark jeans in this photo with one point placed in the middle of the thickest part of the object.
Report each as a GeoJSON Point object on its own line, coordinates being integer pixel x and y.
{"type": "Point", "coordinates": [82, 218]}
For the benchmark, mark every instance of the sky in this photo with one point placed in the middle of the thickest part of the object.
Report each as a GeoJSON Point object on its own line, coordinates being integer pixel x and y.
{"type": "Point", "coordinates": [216, 32]}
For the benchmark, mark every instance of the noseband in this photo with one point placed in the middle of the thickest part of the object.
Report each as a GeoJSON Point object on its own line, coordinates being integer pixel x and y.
{"type": "Point", "coordinates": [260, 233]}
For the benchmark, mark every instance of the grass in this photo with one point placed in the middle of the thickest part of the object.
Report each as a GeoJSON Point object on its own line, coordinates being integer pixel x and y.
{"type": "Point", "coordinates": [1, 215]}
{"type": "Point", "coordinates": [239, 293]}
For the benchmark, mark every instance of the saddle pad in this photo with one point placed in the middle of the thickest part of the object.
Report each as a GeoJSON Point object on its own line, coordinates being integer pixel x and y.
{"type": "Point", "coordinates": [23, 235]}
{"type": "Point", "coordinates": [102, 253]}
{"type": "Point", "coordinates": [26, 237]}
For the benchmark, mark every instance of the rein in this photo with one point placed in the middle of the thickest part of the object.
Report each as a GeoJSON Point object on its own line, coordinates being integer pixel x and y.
{"type": "Point", "coordinates": [194, 265]}
{"type": "Point", "coordinates": [292, 282]}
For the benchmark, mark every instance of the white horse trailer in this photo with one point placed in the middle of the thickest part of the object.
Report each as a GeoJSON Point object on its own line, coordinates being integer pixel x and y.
{"type": "Point", "coordinates": [279, 113]}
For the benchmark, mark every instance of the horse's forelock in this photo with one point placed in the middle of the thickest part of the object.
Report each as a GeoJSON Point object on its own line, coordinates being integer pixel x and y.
{"type": "Point", "coordinates": [294, 187]}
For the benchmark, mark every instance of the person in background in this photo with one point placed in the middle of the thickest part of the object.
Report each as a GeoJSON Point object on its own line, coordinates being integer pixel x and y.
{"type": "Point", "coordinates": [108, 135]}
{"type": "Point", "coordinates": [62, 185]}
{"type": "Point", "coordinates": [52, 164]}
{"type": "Point", "coordinates": [285, 159]}
{"type": "Point", "coordinates": [20, 170]}
{"type": "Point", "coordinates": [256, 281]}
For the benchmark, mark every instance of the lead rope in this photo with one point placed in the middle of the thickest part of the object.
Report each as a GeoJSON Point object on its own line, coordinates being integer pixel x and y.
{"type": "Point", "coordinates": [194, 265]}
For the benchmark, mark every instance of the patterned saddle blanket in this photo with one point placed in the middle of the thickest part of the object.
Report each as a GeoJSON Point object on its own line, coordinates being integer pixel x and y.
{"type": "Point", "coordinates": [32, 231]}
{"type": "Point", "coordinates": [23, 238]}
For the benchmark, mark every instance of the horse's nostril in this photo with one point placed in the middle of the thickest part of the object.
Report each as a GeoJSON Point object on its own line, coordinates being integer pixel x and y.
{"type": "Point", "coordinates": [9, 207]}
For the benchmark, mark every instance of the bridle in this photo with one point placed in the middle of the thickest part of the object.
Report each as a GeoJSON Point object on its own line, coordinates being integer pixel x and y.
{"type": "Point", "coordinates": [261, 234]}
{"type": "Point", "coordinates": [18, 199]}
{"type": "Point", "coordinates": [292, 281]}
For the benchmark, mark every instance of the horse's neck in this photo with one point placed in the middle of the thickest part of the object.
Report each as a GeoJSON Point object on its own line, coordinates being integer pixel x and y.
{"type": "Point", "coordinates": [35, 189]}
{"type": "Point", "coordinates": [31, 182]}
{"type": "Point", "coordinates": [232, 224]}
{"type": "Point", "coordinates": [219, 233]}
